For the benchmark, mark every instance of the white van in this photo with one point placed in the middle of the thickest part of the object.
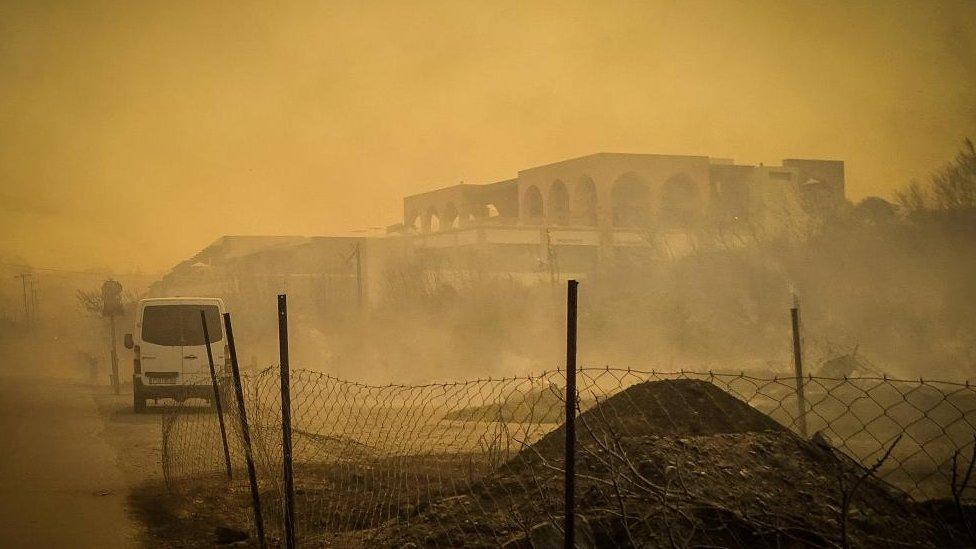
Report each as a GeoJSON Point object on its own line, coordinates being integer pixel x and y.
{"type": "Point", "coordinates": [170, 352]}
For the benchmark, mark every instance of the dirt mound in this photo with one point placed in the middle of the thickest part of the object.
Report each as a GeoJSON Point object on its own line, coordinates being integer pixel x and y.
{"type": "Point", "coordinates": [673, 407]}
{"type": "Point", "coordinates": [683, 463]}
{"type": "Point", "coordinates": [678, 407]}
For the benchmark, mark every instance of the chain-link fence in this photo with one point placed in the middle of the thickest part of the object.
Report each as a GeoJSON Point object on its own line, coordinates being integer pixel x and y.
{"type": "Point", "coordinates": [663, 459]}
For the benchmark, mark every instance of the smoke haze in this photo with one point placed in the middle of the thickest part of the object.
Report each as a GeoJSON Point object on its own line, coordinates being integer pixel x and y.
{"type": "Point", "coordinates": [124, 122]}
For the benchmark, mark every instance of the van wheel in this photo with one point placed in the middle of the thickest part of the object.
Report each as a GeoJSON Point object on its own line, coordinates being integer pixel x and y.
{"type": "Point", "coordinates": [138, 401]}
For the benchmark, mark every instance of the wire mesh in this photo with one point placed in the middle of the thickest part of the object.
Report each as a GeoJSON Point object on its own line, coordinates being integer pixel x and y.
{"type": "Point", "coordinates": [663, 458]}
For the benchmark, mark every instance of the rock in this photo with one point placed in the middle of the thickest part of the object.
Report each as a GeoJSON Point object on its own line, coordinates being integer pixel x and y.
{"type": "Point", "coordinates": [226, 535]}
{"type": "Point", "coordinates": [821, 440]}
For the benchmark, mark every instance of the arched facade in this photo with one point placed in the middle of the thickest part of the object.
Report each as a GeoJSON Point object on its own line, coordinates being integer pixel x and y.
{"type": "Point", "coordinates": [451, 218]}
{"type": "Point", "coordinates": [433, 221]}
{"type": "Point", "coordinates": [532, 202]}
{"type": "Point", "coordinates": [460, 206]}
{"type": "Point", "coordinates": [626, 191]}
{"type": "Point", "coordinates": [558, 206]}
{"type": "Point", "coordinates": [596, 208]}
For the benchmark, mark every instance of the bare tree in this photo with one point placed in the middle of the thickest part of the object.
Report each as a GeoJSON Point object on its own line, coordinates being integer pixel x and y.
{"type": "Point", "coordinates": [952, 188]}
{"type": "Point", "coordinates": [91, 300]}
{"type": "Point", "coordinates": [848, 491]}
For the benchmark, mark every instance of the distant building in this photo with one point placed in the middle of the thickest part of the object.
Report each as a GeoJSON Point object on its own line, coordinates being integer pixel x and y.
{"type": "Point", "coordinates": [570, 217]}
{"type": "Point", "coordinates": [555, 221]}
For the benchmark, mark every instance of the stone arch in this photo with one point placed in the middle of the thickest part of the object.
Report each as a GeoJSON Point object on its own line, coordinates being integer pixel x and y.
{"type": "Point", "coordinates": [631, 200]}
{"type": "Point", "coordinates": [679, 201]}
{"type": "Point", "coordinates": [417, 224]}
{"type": "Point", "coordinates": [451, 219]}
{"type": "Point", "coordinates": [584, 201]}
{"type": "Point", "coordinates": [558, 203]}
{"type": "Point", "coordinates": [433, 220]}
{"type": "Point", "coordinates": [532, 200]}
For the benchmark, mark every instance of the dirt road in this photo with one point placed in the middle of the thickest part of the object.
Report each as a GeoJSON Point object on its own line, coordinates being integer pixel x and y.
{"type": "Point", "coordinates": [62, 480]}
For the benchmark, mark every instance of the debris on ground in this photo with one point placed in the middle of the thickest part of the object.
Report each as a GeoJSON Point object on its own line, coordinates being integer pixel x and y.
{"type": "Point", "coordinates": [848, 365]}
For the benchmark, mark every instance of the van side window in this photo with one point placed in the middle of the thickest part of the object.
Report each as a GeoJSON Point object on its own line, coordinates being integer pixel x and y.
{"type": "Point", "coordinates": [179, 325]}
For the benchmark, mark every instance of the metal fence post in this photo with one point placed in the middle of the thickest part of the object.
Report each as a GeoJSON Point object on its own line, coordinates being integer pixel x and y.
{"type": "Point", "coordinates": [569, 526]}
{"type": "Point", "coordinates": [286, 456]}
{"type": "Point", "coordinates": [216, 389]}
{"type": "Point", "coordinates": [801, 403]}
{"type": "Point", "coordinates": [115, 358]}
{"type": "Point", "coordinates": [245, 432]}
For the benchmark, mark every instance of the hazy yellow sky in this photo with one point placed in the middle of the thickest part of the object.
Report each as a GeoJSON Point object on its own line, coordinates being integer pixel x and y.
{"type": "Point", "coordinates": [134, 133]}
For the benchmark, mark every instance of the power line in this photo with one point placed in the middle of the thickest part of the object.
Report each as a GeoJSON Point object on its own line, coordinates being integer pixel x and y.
{"type": "Point", "coordinates": [30, 296]}
{"type": "Point", "coordinates": [52, 269]}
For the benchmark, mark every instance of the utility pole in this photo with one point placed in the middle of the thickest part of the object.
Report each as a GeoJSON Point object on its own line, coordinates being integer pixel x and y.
{"type": "Point", "coordinates": [550, 260]}
{"type": "Point", "coordinates": [30, 296]}
{"type": "Point", "coordinates": [115, 357]}
{"type": "Point", "coordinates": [359, 275]}
{"type": "Point", "coordinates": [111, 307]}
{"type": "Point", "coordinates": [34, 298]}
{"type": "Point", "coordinates": [360, 290]}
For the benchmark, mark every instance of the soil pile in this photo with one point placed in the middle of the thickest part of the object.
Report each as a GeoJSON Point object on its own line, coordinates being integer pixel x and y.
{"type": "Point", "coordinates": [677, 463]}
{"type": "Point", "coordinates": [673, 407]}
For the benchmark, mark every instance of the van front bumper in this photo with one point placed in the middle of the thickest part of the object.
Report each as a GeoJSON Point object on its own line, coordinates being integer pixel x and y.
{"type": "Point", "coordinates": [174, 391]}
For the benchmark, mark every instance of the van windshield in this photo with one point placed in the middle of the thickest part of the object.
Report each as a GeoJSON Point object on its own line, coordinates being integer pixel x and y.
{"type": "Point", "coordinates": [179, 325]}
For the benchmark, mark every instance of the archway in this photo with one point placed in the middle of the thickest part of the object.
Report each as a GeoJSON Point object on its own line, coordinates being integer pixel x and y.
{"type": "Point", "coordinates": [559, 203]}
{"type": "Point", "coordinates": [433, 221]}
{"type": "Point", "coordinates": [451, 219]}
{"type": "Point", "coordinates": [533, 203]}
